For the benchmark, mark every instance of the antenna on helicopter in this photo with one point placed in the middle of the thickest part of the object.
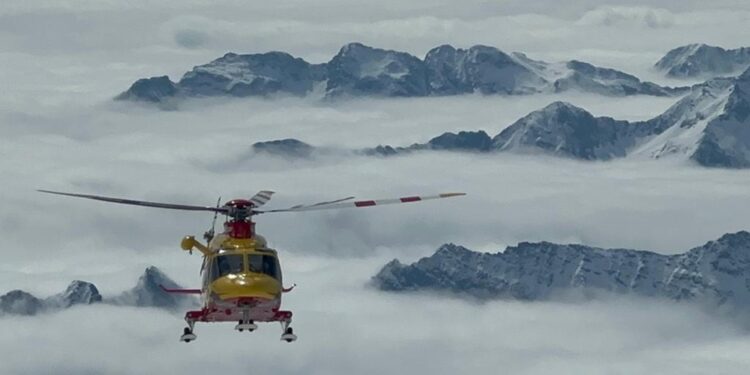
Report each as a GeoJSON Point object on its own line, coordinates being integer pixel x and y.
{"type": "Point", "coordinates": [209, 235]}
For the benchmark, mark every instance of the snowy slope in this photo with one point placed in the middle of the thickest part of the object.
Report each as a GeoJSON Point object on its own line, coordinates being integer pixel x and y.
{"type": "Point", "coordinates": [565, 130]}
{"type": "Point", "coordinates": [700, 60]}
{"type": "Point", "coordinates": [679, 130]}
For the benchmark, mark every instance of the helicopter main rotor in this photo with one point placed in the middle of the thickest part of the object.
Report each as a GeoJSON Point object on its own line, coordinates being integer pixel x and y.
{"type": "Point", "coordinates": [241, 211]}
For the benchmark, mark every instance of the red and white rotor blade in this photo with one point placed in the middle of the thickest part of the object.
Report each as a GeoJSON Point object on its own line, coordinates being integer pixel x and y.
{"type": "Point", "coordinates": [261, 198]}
{"type": "Point", "coordinates": [342, 203]}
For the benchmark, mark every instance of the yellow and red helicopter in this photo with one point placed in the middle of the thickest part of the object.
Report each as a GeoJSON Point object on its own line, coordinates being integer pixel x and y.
{"type": "Point", "coordinates": [241, 275]}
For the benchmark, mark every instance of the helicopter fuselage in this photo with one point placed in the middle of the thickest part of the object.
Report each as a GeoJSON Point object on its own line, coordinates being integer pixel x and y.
{"type": "Point", "coordinates": [241, 280]}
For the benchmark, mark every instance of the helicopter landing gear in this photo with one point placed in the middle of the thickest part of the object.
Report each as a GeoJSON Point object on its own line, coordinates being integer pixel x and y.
{"type": "Point", "coordinates": [246, 323]}
{"type": "Point", "coordinates": [288, 334]}
{"type": "Point", "coordinates": [187, 333]}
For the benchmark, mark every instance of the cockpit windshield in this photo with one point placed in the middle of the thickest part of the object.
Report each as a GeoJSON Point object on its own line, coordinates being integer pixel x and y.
{"type": "Point", "coordinates": [264, 264]}
{"type": "Point", "coordinates": [234, 263]}
{"type": "Point", "coordinates": [226, 264]}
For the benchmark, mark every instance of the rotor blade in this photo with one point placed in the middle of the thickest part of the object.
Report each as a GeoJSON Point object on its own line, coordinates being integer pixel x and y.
{"type": "Point", "coordinates": [366, 203]}
{"type": "Point", "coordinates": [140, 203]}
{"type": "Point", "coordinates": [261, 198]}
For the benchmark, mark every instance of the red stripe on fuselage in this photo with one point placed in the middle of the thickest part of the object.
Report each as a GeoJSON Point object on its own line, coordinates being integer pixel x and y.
{"type": "Point", "coordinates": [410, 199]}
{"type": "Point", "coordinates": [364, 203]}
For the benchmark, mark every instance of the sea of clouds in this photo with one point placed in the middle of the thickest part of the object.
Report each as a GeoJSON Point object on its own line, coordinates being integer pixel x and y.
{"type": "Point", "coordinates": [62, 61]}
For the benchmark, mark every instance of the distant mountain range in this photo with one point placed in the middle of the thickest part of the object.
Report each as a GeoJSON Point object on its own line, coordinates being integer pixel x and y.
{"type": "Point", "coordinates": [710, 125]}
{"type": "Point", "coordinates": [146, 293]}
{"type": "Point", "coordinates": [362, 71]}
{"type": "Point", "coordinates": [703, 61]}
{"type": "Point", "coordinates": [716, 274]}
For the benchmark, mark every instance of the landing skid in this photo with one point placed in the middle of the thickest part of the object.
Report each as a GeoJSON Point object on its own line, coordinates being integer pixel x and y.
{"type": "Point", "coordinates": [188, 335]}
{"type": "Point", "coordinates": [249, 326]}
{"type": "Point", "coordinates": [214, 315]}
{"type": "Point", "coordinates": [288, 335]}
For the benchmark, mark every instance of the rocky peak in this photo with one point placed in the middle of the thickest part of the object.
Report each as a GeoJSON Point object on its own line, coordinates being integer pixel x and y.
{"type": "Point", "coordinates": [154, 90]}
{"type": "Point", "coordinates": [359, 70]}
{"type": "Point", "coordinates": [288, 147]}
{"type": "Point", "coordinates": [18, 302]}
{"type": "Point", "coordinates": [564, 129]}
{"type": "Point", "coordinates": [148, 291]}
{"type": "Point", "coordinates": [450, 250]}
{"type": "Point", "coordinates": [696, 60]}
{"type": "Point", "coordinates": [464, 141]}
{"type": "Point", "coordinates": [77, 293]}
{"type": "Point", "coordinates": [726, 138]}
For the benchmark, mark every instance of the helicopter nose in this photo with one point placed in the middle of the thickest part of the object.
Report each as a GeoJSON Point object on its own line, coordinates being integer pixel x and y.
{"type": "Point", "coordinates": [246, 285]}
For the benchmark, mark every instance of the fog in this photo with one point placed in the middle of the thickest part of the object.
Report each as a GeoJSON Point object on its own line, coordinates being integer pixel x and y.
{"type": "Point", "coordinates": [61, 62]}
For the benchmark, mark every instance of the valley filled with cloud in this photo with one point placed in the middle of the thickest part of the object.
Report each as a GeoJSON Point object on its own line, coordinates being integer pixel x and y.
{"type": "Point", "coordinates": [63, 62]}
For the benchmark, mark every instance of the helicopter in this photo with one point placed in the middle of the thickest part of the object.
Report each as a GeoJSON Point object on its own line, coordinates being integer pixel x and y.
{"type": "Point", "coordinates": [241, 279]}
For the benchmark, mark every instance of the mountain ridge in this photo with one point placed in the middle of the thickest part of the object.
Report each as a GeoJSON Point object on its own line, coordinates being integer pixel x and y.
{"type": "Point", "coordinates": [146, 293]}
{"type": "Point", "coordinates": [701, 60]}
{"type": "Point", "coordinates": [358, 70]}
{"type": "Point", "coordinates": [709, 126]}
{"type": "Point", "coordinates": [716, 273]}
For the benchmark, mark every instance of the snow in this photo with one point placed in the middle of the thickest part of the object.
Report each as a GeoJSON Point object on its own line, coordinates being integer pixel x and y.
{"type": "Point", "coordinates": [682, 139]}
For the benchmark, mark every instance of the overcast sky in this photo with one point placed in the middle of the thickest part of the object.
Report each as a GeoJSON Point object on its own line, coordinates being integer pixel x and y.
{"type": "Point", "coordinates": [62, 61]}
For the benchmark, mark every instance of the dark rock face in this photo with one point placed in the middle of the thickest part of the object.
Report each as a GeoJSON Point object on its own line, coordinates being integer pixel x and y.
{"type": "Point", "coordinates": [359, 70]}
{"type": "Point", "coordinates": [716, 273]}
{"type": "Point", "coordinates": [566, 130]}
{"type": "Point", "coordinates": [18, 302]}
{"type": "Point", "coordinates": [288, 147]}
{"type": "Point", "coordinates": [251, 75]}
{"type": "Point", "coordinates": [480, 68]}
{"type": "Point", "coordinates": [154, 90]}
{"type": "Point", "coordinates": [148, 292]}
{"type": "Point", "coordinates": [463, 141]}
{"type": "Point", "coordinates": [700, 60]}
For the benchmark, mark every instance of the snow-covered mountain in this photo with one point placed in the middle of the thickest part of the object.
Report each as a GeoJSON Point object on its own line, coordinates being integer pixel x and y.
{"type": "Point", "coordinates": [146, 293]}
{"type": "Point", "coordinates": [18, 302]}
{"type": "Point", "coordinates": [358, 70]}
{"type": "Point", "coordinates": [252, 75]}
{"type": "Point", "coordinates": [716, 273]}
{"type": "Point", "coordinates": [481, 69]}
{"type": "Point", "coordinates": [700, 60]}
{"type": "Point", "coordinates": [710, 125]}
{"type": "Point", "coordinates": [77, 293]}
{"type": "Point", "coordinates": [566, 130]}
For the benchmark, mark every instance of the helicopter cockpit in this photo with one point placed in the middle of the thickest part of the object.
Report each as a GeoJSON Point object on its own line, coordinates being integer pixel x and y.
{"type": "Point", "coordinates": [225, 264]}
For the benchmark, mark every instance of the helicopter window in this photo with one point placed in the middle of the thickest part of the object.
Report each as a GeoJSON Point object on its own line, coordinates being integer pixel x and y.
{"type": "Point", "coordinates": [226, 264]}
{"type": "Point", "coordinates": [264, 264]}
